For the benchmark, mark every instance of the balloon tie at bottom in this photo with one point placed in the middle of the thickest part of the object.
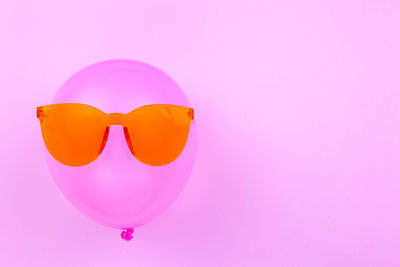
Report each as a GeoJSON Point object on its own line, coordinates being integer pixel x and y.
{"type": "Point", "coordinates": [127, 234]}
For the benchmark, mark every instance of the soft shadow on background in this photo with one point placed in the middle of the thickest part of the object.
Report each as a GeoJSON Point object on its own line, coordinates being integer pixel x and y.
{"type": "Point", "coordinates": [297, 111]}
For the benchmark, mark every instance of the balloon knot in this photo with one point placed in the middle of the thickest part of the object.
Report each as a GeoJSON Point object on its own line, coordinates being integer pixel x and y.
{"type": "Point", "coordinates": [127, 234]}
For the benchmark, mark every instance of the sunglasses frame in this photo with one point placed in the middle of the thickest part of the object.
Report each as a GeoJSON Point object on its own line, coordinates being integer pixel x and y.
{"type": "Point", "coordinates": [113, 119]}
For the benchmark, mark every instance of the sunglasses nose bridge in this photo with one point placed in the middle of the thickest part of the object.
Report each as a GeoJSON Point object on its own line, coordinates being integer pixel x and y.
{"type": "Point", "coordinates": [116, 118]}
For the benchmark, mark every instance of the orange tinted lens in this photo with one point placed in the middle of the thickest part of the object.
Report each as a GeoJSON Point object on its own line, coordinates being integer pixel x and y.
{"type": "Point", "coordinates": [74, 134]}
{"type": "Point", "coordinates": [158, 133]}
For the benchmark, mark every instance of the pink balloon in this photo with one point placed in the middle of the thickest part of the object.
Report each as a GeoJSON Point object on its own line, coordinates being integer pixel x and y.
{"type": "Point", "coordinates": [116, 189]}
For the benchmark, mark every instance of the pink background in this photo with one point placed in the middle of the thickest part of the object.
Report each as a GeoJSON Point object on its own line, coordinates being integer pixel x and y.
{"type": "Point", "coordinates": [298, 121]}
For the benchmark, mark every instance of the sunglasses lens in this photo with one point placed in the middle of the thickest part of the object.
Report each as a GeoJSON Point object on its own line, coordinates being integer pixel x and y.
{"type": "Point", "coordinates": [158, 133]}
{"type": "Point", "coordinates": [73, 133]}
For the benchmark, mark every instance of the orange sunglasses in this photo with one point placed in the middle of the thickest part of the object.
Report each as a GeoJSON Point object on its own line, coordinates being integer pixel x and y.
{"type": "Point", "coordinates": [75, 134]}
